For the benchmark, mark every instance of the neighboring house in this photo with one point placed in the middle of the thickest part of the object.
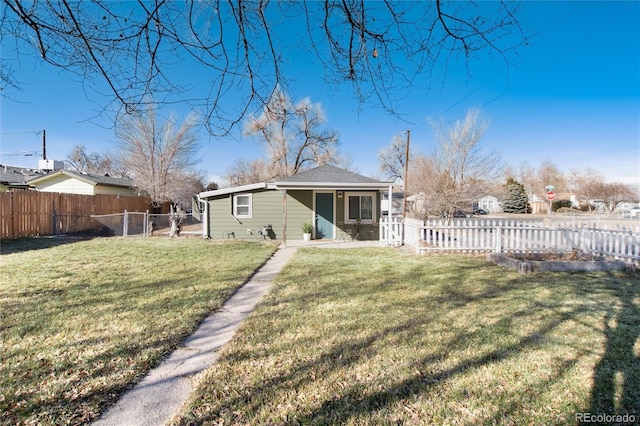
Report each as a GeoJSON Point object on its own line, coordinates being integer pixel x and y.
{"type": "Point", "coordinates": [397, 200]}
{"type": "Point", "coordinates": [338, 203]}
{"type": "Point", "coordinates": [538, 205]}
{"type": "Point", "coordinates": [490, 204]}
{"type": "Point", "coordinates": [69, 182]}
{"type": "Point", "coordinates": [12, 177]}
{"type": "Point", "coordinates": [625, 207]}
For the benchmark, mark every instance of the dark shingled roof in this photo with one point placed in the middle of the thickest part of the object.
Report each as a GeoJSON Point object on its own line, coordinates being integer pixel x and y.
{"type": "Point", "coordinates": [13, 175]}
{"type": "Point", "coordinates": [328, 175]}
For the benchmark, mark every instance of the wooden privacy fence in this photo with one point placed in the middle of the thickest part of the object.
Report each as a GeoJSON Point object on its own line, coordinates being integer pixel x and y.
{"type": "Point", "coordinates": [31, 213]}
{"type": "Point", "coordinates": [516, 236]}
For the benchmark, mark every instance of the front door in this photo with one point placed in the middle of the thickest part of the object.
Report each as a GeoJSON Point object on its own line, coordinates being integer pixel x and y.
{"type": "Point", "coordinates": [324, 215]}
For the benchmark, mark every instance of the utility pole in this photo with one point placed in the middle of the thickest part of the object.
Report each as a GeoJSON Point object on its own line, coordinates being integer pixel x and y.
{"type": "Point", "coordinates": [44, 144]}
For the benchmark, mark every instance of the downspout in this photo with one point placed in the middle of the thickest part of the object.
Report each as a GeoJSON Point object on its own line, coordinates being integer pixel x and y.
{"type": "Point", "coordinates": [205, 221]}
{"type": "Point", "coordinates": [284, 218]}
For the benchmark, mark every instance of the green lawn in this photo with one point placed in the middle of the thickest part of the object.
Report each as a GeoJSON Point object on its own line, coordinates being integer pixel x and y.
{"type": "Point", "coordinates": [376, 337]}
{"type": "Point", "coordinates": [80, 321]}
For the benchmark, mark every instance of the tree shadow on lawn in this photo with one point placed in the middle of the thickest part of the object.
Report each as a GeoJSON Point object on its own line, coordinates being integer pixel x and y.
{"type": "Point", "coordinates": [89, 385]}
{"type": "Point", "coordinates": [115, 363]}
{"type": "Point", "coordinates": [616, 387]}
{"type": "Point", "coordinates": [356, 401]}
{"type": "Point", "coordinates": [353, 404]}
{"type": "Point", "coordinates": [19, 245]}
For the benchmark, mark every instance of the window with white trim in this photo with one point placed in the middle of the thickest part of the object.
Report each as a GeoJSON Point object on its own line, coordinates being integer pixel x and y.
{"type": "Point", "coordinates": [360, 207]}
{"type": "Point", "coordinates": [242, 205]}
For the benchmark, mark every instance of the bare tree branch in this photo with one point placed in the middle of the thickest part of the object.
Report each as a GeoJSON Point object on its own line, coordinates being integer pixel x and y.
{"type": "Point", "coordinates": [462, 168]}
{"type": "Point", "coordinates": [132, 48]}
{"type": "Point", "coordinates": [392, 158]}
{"type": "Point", "coordinates": [294, 137]}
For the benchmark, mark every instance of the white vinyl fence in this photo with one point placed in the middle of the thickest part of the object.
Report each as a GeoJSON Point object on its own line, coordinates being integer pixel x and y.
{"type": "Point", "coordinates": [472, 235]}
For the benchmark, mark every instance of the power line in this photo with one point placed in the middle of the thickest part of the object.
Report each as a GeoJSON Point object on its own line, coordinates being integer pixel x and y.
{"type": "Point", "coordinates": [37, 132]}
{"type": "Point", "coordinates": [530, 76]}
{"type": "Point", "coordinates": [18, 154]}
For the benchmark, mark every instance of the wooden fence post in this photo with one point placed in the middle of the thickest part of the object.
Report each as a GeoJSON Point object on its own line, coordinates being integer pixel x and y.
{"type": "Point", "coordinates": [55, 218]}
{"type": "Point", "coordinates": [12, 215]}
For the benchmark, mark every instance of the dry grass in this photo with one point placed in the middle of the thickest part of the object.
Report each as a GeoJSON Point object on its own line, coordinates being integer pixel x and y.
{"type": "Point", "coordinates": [80, 321]}
{"type": "Point", "coordinates": [375, 337]}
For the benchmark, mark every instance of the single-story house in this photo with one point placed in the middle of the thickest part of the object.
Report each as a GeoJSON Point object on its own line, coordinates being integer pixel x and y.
{"type": "Point", "coordinates": [12, 177]}
{"type": "Point", "coordinates": [82, 183]}
{"type": "Point", "coordinates": [625, 207]}
{"type": "Point", "coordinates": [339, 204]}
{"type": "Point", "coordinates": [538, 205]}
{"type": "Point", "coordinates": [490, 204]}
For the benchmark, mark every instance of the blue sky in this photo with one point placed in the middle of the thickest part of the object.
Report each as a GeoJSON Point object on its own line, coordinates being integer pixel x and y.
{"type": "Point", "coordinates": [572, 97]}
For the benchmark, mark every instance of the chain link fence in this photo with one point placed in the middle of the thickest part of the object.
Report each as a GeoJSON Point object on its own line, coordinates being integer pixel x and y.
{"type": "Point", "coordinates": [129, 224]}
{"type": "Point", "coordinates": [188, 224]}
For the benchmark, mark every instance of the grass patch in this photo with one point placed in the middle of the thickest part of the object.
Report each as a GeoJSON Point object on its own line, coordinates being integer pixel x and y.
{"type": "Point", "coordinates": [80, 321]}
{"type": "Point", "coordinates": [375, 337]}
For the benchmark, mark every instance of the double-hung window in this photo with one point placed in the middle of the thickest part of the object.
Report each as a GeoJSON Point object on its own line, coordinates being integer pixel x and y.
{"type": "Point", "coordinates": [360, 207]}
{"type": "Point", "coordinates": [242, 205]}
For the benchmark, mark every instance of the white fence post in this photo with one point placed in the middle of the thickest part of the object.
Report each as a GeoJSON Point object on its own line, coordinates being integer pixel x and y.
{"type": "Point", "coordinates": [498, 238]}
{"type": "Point", "coordinates": [501, 236]}
{"type": "Point", "coordinates": [125, 224]}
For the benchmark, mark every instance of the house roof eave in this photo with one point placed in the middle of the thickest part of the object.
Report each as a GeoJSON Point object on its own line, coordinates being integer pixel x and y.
{"type": "Point", "coordinates": [235, 190]}
{"type": "Point", "coordinates": [88, 179]}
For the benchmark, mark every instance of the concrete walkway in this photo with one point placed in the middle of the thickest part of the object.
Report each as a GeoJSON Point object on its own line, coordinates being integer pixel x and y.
{"type": "Point", "coordinates": [160, 395]}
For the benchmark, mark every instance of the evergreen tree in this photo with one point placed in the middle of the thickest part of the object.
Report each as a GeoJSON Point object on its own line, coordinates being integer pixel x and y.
{"type": "Point", "coordinates": [515, 198]}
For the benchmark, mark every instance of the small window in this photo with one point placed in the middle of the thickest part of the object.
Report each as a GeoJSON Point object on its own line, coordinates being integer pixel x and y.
{"type": "Point", "coordinates": [242, 205]}
{"type": "Point", "coordinates": [360, 207]}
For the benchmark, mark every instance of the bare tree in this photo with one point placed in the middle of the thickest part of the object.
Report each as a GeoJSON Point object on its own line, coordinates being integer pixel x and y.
{"type": "Point", "coordinates": [588, 186]}
{"type": "Point", "coordinates": [247, 172]}
{"type": "Point", "coordinates": [427, 190]}
{"type": "Point", "coordinates": [550, 174]}
{"type": "Point", "coordinates": [592, 190]}
{"type": "Point", "coordinates": [92, 163]}
{"type": "Point", "coordinates": [160, 156]}
{"type": "Point", "coordinates": [524, 174]}
{"type": "Point", "coordinates": [294, 134]}
{"type": "Point", "coordinates": [616, 192]}
{"type": "Point", "coordinates": [392, 159]}
{"type": "Point", "coordinates": [383, 49]}
{"type": "Point", "coordinates": [461, 167]}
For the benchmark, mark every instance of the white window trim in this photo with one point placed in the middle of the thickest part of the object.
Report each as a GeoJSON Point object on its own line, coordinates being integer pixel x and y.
{"type": "Point", "coordinates": [374, 210]}
{"type": "Point", "coordinates": [235, 206]}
